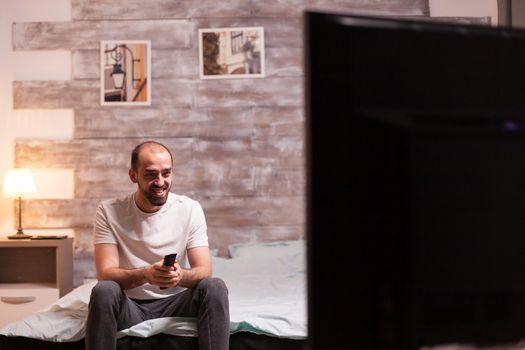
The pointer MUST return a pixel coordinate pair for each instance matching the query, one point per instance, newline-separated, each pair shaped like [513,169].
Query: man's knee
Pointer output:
[214,288]
[105,292]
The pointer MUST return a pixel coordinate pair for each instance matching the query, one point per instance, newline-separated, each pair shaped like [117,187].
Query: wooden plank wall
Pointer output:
[238,144]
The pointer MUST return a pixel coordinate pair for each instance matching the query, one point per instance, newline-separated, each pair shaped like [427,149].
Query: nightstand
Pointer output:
[33,274]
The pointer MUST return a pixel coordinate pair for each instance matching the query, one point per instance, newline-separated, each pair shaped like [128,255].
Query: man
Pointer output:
[131,236]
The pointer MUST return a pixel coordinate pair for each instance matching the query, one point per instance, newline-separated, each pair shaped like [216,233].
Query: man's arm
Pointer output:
[107,263]
[200,262]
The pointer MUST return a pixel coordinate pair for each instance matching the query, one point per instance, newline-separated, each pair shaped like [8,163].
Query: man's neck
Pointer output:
[144,204]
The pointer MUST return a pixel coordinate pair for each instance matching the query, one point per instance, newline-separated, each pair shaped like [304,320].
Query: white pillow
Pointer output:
[267,249]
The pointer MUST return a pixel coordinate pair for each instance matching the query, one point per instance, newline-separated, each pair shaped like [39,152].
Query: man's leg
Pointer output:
[208,301]
[109,310]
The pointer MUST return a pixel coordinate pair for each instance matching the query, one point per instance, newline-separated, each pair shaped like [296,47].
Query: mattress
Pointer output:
[267,292]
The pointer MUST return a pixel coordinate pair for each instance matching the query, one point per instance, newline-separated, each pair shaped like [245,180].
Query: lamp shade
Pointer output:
[118,76]
[18,182]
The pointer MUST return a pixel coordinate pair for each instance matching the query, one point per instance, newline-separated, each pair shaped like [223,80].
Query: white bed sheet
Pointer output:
[267,293]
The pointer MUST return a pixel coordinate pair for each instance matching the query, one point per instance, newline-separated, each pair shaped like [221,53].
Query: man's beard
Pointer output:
[152,198]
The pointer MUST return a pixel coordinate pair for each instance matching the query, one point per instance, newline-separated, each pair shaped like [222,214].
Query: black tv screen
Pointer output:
[415,183]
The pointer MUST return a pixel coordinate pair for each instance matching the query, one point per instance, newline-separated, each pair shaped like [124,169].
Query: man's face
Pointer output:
[153,178]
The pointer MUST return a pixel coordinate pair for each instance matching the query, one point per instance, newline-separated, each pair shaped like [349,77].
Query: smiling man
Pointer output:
[132,234]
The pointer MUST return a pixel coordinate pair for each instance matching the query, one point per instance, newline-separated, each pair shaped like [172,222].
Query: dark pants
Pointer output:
[111,310]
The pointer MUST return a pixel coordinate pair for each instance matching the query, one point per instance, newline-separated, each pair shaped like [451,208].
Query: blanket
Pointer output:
[267,291]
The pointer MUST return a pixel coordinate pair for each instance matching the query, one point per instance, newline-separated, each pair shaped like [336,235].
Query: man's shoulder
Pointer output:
[117,202]
[182,200]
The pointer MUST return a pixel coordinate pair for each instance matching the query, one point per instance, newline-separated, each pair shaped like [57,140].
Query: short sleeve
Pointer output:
[102,232]
[197,230]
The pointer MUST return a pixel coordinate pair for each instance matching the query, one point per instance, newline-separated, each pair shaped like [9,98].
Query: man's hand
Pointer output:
[164,276]
[107,260]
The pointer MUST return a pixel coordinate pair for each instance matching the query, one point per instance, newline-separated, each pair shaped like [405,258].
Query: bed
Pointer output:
[267,292]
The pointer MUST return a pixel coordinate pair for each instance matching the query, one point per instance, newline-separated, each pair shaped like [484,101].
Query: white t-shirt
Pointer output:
[144,238]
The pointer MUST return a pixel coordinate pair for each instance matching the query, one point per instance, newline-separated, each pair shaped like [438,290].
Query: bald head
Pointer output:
[151,146]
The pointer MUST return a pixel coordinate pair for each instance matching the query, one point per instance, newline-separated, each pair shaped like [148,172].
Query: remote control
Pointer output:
[169,260]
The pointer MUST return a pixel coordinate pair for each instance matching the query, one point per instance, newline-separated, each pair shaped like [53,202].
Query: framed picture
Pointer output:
[231,53]
[125,72]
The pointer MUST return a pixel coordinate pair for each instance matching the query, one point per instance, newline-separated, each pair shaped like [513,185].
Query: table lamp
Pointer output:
[18,182]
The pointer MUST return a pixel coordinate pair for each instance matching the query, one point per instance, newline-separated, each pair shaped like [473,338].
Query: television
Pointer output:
[415,182]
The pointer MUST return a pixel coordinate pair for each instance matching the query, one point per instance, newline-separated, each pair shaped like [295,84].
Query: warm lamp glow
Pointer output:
[18,182]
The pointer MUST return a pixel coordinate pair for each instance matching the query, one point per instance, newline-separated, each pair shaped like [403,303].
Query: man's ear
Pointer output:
[132,176]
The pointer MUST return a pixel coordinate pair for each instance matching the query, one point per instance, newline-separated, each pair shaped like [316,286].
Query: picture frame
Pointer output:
[125,72]
[226,53]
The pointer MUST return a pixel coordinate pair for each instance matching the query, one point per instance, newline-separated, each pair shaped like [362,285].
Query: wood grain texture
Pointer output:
[221,211]
[59,213]
[172,93]
[267,92]
[190,180]
[158,9]
[215,179]
[86,154]
[56,94]
[274,121]
[284,62]
[212,122]
[155,9]
[86,93]
[390,7]
[181,63]
[254,211]
[164,34]
[274,151]
[164,122]
[106,153]
[85,35]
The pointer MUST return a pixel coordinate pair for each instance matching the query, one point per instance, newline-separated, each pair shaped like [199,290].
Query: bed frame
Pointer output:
[238,341]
